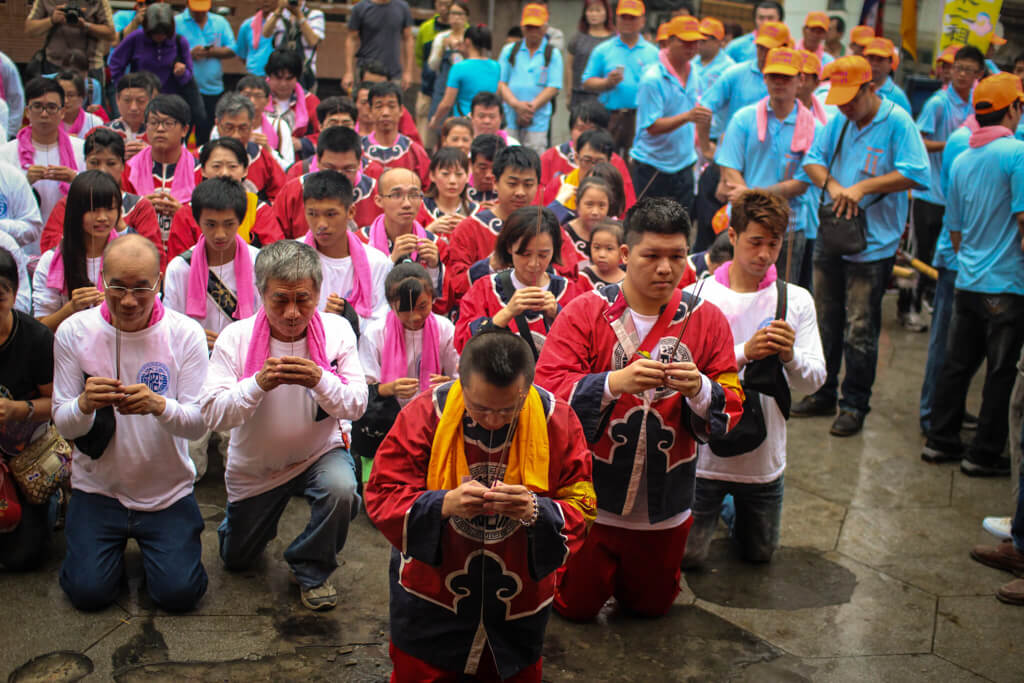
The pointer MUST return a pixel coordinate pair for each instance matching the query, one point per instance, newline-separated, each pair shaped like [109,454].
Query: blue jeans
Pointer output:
[756,527]
[98,527]
[942,313]
[24,549]
[329,485]
[848,296]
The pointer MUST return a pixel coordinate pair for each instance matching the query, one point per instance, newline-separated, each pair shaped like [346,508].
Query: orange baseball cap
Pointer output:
[783,60]
[816,20]
[712,28]
[534,15]
[685,28]
[199,5]
[663,33]
[997,92]
[772,34]
[949,54]
[861,35]
[847,74]
[811,65]
[632,7]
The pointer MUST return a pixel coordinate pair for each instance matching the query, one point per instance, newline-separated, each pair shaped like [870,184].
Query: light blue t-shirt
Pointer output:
[255,60]
[216,33]
[709,75]
[528,78]
[986,190]
[742,49]
[891,91]
[469,77]
[740,85]
[767,162]
[945,257]
[890,142]
[122,18]
[612,54]
[661,94]
[943,113]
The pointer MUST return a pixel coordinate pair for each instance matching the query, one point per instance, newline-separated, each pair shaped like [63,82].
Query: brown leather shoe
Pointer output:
[1003,556]
[1012,593]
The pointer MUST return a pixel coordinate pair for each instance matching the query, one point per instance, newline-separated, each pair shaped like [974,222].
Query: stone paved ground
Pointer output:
[872,583]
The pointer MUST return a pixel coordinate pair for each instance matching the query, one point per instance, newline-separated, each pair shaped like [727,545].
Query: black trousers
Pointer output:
[650,182]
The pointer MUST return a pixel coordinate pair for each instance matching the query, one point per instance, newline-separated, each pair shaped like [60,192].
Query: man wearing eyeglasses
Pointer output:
[49,156]
[127,379]
[235,118]
[396,232]
[483,487]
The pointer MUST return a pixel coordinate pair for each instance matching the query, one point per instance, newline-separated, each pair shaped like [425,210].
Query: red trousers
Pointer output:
[640,568]
[409,669]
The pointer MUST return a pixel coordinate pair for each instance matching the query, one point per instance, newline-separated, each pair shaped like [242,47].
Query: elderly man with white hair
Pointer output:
[126,382]
[281,382]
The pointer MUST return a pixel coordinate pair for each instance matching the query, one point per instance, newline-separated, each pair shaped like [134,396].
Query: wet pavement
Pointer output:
[872,583]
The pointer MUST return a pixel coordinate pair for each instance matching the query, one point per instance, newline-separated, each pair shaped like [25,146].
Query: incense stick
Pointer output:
[686,319]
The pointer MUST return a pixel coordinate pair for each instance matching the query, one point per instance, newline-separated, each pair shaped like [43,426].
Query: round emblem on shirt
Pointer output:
[3,206]
[156,376]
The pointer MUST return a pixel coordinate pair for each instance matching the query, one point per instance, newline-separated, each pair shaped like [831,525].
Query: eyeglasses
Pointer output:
[40,107]
[229,129]
[964,69]
[398,195]
[161,124]
[591,160]
[119,292]
[504,413]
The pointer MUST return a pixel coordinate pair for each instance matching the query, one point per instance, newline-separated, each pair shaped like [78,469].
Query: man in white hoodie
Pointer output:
[127,376]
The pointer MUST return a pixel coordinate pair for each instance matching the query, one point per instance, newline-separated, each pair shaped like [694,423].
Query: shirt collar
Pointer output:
[789,119]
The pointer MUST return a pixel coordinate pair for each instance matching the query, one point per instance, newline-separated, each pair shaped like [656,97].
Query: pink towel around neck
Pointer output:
[301,113]
[270,131]
[803,130]
[361,296]
[27,151]
[983,136]
[140,173]
[156,316]
[971,123]
[199,278]
[257,29]
[55,276]
[79,123]
[681,77]
[818,109]
[722,276]
[394,361]
[379,235]
[259,345]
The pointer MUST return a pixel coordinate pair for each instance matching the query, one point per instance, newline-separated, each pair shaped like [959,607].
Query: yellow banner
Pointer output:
[969,22]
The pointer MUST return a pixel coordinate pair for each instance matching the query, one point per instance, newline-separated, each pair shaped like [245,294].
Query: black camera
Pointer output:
[72,12]
[293,3]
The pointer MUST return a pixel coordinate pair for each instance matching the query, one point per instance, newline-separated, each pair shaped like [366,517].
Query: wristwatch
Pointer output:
[31,410]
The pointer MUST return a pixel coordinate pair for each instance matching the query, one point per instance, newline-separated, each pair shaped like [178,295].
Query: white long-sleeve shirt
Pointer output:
[146,464]
[371,345]
[23,301]
[176,290]
[339,276]
[19,211]
[274,434]
[748,312]
[48,300]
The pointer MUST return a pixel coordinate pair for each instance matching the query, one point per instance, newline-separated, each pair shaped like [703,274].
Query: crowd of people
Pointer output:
[546,365]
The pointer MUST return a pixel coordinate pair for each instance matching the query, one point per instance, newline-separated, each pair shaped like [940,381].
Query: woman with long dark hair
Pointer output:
[69,277]
[595,27]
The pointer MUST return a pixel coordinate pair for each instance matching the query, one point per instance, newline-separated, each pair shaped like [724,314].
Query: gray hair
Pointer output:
[289,261]
[233,104]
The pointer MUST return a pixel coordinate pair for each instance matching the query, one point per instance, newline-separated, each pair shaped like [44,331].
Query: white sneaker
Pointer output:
[997,526]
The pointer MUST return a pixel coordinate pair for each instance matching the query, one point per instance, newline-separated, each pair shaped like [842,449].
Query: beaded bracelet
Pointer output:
[535,515]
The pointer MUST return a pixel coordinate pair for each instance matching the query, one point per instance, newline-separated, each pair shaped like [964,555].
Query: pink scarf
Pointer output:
[503,134]
[79,123]
[722,276]
[271,132]
[27,152]
[379,235]
[301,113]
[803,130]
[361,296]
[55,277]
[394,362]
[199,278]
[156,316]
[818,109]
[140,173]
[257,29]
[972,123]
[681,77]
[983,136]
[259,345]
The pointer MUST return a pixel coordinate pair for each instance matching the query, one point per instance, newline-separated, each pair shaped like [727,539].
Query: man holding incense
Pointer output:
[483,488]
[650,371]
